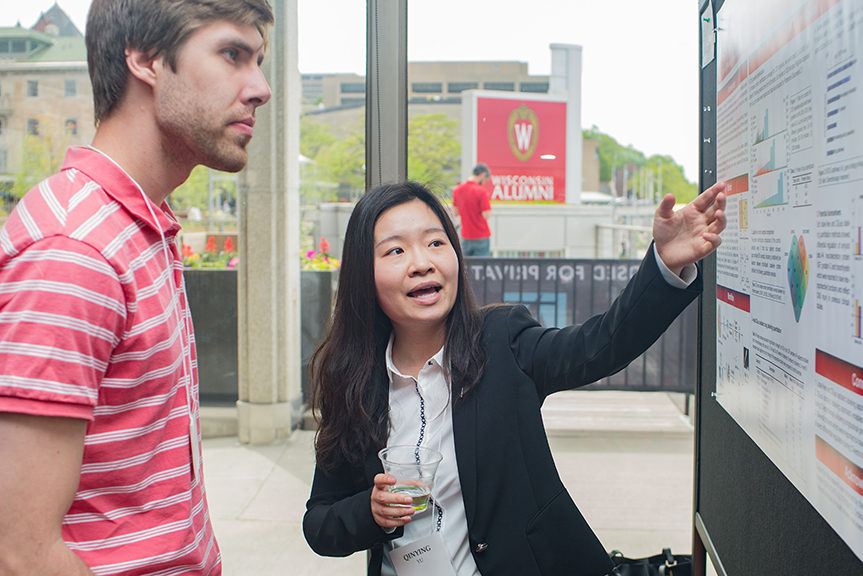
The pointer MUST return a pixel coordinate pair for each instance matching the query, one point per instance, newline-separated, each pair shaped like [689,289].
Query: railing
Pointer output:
[621,240]
[559,292]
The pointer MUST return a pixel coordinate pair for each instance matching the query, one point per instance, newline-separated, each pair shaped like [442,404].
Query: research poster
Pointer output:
[789,142]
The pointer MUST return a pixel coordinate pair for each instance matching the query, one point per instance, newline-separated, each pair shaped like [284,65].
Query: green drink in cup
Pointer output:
[414,468]
[419,494]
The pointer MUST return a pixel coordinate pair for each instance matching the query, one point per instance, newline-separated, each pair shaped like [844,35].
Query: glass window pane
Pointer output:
[455,87]
[332,122]
[353,87]
[427,87]
[505,86]
[506,53]
[541,87]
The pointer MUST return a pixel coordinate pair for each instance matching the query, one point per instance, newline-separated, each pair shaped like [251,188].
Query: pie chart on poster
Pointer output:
[798,274]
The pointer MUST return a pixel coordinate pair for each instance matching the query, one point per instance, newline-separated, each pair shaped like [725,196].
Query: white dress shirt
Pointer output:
[687,275]
[421,415]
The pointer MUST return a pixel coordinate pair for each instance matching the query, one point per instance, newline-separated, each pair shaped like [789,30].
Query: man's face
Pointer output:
[206,108]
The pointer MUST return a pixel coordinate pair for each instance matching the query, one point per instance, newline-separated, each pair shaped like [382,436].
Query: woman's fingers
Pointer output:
[390,510]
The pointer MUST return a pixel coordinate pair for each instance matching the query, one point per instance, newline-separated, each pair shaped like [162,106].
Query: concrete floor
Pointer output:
[625,457]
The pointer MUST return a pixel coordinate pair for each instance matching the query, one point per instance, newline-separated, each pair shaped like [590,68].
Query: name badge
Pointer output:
[422,557]
[196,446]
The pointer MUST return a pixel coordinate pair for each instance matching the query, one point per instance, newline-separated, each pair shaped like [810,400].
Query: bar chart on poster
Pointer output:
[789,274]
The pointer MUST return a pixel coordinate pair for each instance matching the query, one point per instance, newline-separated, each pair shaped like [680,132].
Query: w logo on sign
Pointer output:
[523,131]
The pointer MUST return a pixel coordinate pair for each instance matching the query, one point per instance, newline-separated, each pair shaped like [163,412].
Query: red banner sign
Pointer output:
[523,142]
[737,299]
[839,371]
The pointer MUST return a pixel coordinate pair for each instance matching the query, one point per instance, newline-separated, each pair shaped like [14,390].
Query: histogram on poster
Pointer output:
[770,155]
[769,123]
[769,190]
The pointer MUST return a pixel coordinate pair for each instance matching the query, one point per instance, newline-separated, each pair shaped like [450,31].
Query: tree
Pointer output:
[434,152]
[344,162]
[42,155]
[612,155]
[339,159]
[670,174]
[666,175]
[336,163]
[193,192]
[315,186]
[314,136]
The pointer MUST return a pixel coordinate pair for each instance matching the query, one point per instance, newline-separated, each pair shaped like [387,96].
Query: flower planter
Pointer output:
[316,304]
[212,294]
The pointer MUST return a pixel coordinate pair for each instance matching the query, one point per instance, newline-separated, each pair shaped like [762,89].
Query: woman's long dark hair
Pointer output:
[349,384]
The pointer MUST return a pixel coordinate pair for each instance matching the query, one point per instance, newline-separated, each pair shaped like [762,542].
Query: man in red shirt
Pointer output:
[472,203]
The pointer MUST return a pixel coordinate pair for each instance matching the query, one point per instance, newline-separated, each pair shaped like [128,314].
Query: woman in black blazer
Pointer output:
[410,358]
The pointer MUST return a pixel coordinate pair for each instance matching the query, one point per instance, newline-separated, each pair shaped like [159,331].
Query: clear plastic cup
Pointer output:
[414,469]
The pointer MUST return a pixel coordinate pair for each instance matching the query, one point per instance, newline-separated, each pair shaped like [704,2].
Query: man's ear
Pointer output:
[143,66]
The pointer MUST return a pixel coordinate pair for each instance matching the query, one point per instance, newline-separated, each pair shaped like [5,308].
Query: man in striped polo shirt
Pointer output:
[100,467]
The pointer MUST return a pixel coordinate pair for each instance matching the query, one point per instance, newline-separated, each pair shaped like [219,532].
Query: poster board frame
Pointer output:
[747,516]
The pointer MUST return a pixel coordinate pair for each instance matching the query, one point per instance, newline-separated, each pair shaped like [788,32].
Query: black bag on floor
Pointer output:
[664,564]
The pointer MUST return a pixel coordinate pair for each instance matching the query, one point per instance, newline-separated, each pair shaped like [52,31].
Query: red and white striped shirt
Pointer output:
[94,325]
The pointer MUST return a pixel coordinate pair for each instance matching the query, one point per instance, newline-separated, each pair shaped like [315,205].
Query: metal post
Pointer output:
[386,92]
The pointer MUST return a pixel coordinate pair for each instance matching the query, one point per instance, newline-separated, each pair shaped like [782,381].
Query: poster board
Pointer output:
[779,416]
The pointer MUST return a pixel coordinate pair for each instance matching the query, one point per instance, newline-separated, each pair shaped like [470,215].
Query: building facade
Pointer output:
[337,100]
[46,101]
[428,82]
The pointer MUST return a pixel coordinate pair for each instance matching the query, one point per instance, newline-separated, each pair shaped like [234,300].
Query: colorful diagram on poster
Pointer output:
[798,274]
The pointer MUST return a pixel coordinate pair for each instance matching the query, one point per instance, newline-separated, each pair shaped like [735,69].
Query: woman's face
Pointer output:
[416,267]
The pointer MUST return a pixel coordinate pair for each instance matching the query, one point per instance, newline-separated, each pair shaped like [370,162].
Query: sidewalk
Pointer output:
[625,457]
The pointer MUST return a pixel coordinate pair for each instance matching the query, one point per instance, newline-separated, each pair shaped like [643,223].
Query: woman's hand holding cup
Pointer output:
[390,509]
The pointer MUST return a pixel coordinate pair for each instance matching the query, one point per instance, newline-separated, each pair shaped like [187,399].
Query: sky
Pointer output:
[640,58]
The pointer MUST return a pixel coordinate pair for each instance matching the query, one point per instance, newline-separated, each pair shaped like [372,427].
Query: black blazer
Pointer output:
[521,520]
